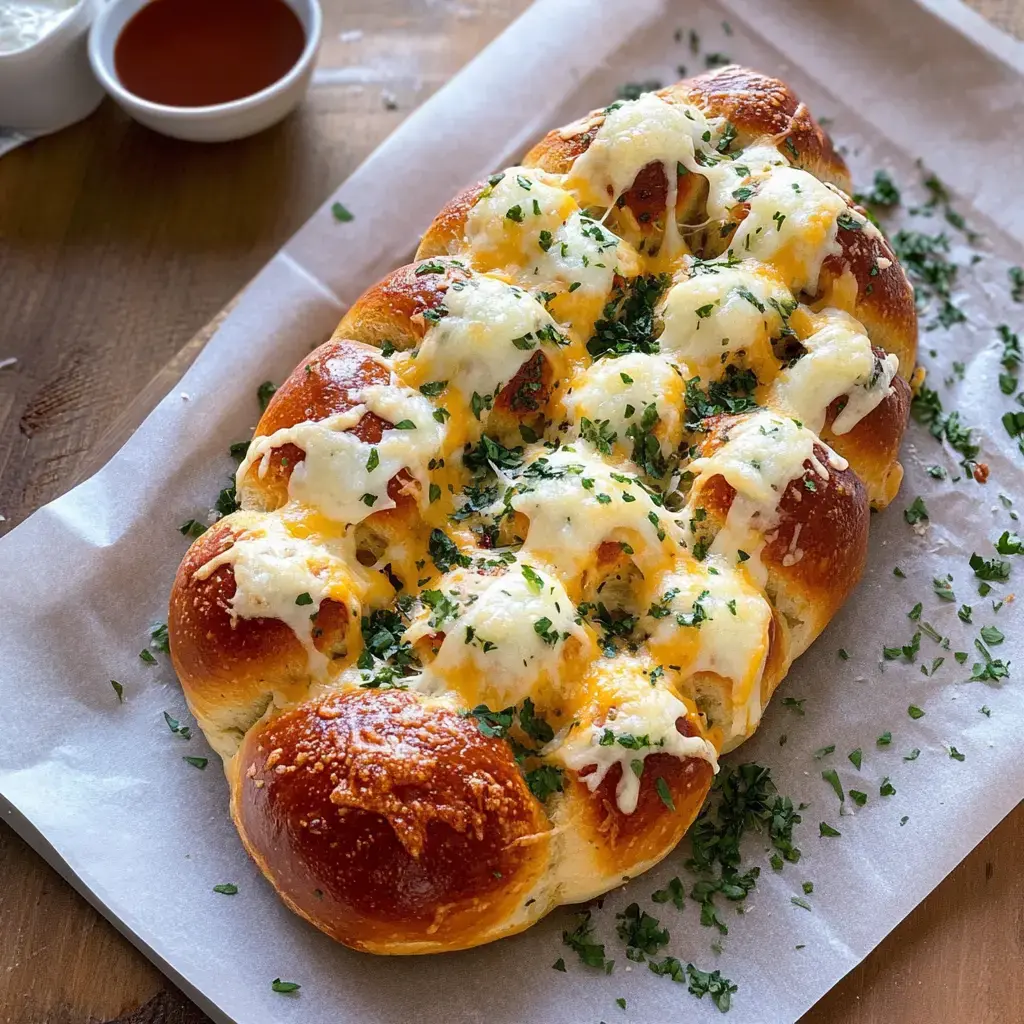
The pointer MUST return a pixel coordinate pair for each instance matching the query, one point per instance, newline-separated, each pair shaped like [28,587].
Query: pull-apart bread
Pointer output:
[531,541]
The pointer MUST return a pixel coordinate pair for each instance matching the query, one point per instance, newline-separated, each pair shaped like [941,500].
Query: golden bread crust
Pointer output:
[390,823]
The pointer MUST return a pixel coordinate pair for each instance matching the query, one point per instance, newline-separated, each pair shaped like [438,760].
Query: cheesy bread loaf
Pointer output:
[531,541]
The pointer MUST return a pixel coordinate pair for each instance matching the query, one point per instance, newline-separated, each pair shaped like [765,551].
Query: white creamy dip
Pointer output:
[24,22]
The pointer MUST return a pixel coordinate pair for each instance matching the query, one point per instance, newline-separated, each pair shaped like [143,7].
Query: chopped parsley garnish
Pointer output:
[627,321]
[159,639]
[647,452]
[430,267]
[1010,544]
[924,257]
[1011,359]
[746,799]
[990,568]
[641,933]
[673,892]
[544,780]
[1016,275]
[490,452]
[533,725]
[992,635]
[444,553]
[917,512]
[264,393]
[192,528]
[227,501]
[926,408]
[599,434]
[633,90]
[884,192]
[534,581]
[733,393]
[581,941]
[831,776]
[661,787]
[492,724]
[382,633]
[699,983]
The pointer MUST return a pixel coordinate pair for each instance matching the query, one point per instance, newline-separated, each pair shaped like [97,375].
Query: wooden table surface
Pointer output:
[116,247]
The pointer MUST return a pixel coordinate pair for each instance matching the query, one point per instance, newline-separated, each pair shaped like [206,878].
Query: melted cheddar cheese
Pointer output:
[575,501]
[618,393]
[493,651]
[839,362]
[641,720]
[487,331]
[279,575]
[547,568]
[713,317]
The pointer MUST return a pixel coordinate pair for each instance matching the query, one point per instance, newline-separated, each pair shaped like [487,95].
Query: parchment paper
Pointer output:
[102,790]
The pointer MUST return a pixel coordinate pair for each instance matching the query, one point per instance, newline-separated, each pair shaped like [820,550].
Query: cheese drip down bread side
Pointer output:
[531,541]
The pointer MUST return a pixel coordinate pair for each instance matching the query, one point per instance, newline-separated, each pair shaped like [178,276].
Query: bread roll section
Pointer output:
[531,541]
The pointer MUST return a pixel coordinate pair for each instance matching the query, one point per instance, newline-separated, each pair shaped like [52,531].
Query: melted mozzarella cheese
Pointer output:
[344,477]
[792,223]
[274,571]
[508,640]
[839,361]
[582,255]
[527,228]
[634,134]
[489,332]
[640,721]
[618,391]
[763,454]
[711,316]
[705,617]
[547,242]
[510,214]
[575,501]
[726,176]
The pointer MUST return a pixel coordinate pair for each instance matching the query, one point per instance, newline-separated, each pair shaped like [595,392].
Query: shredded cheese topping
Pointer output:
[548,572]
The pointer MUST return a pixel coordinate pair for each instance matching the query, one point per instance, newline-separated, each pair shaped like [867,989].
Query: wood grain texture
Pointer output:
[116,247]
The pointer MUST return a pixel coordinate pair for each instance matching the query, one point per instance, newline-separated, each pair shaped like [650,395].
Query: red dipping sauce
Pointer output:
[196,53]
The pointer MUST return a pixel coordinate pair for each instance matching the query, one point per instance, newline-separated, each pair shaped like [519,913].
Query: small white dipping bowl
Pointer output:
[48,85]
[222,121]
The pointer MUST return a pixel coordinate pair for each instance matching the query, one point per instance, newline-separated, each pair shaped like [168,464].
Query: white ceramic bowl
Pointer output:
[49,84]
[222,121]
